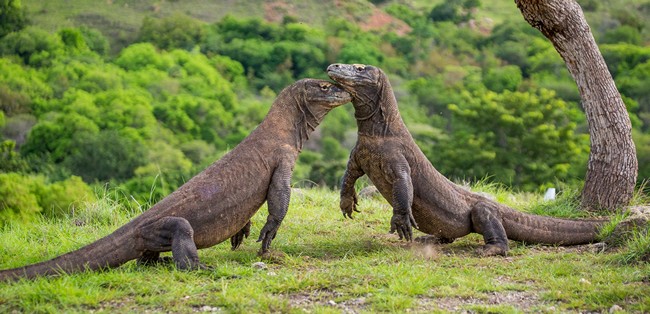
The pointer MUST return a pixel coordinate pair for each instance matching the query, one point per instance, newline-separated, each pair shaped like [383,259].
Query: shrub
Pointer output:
[64,197]
[24,197]
[17,202]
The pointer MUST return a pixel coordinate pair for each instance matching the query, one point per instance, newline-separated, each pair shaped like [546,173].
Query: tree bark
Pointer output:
[612,169]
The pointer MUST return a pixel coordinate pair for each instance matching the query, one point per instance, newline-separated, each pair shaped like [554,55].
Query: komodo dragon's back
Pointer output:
[217,203]
[421,197]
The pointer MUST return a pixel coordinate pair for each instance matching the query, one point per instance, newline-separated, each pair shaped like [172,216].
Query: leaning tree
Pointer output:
[612,168]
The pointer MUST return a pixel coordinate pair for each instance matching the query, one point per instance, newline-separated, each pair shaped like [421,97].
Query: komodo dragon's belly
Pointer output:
[220,201]
[374,166]
[227,215]
[438,208]
[435,221]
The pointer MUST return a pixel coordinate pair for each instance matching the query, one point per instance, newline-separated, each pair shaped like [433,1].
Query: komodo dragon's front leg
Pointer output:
[399,174]
[277,200]
[349,197]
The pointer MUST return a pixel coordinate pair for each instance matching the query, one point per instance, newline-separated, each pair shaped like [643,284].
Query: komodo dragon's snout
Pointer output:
[353,74]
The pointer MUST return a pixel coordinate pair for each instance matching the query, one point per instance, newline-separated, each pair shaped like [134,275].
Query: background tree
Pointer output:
[612,169]
[105,156]
[175,31]
[526,139]
[12,16]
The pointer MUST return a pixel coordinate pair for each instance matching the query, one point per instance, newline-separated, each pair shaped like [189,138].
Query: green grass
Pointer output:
[325,264]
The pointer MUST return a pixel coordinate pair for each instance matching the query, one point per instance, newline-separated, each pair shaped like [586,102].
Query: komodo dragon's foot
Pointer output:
[492,250]
[237,239]
[403,224]
[349,205]
[187,265]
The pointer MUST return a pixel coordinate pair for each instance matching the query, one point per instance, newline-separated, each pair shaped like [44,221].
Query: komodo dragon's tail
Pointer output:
[548,230]
[110,251]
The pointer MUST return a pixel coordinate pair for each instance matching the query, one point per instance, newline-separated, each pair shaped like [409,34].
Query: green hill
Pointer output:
[120,20]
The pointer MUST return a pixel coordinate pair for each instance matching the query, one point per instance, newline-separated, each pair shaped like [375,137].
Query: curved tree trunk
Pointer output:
[612,169]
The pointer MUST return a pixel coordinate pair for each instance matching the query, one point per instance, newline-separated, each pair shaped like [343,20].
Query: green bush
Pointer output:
[73,39]
[503,78]
[64,197]
[95,40]
[10,160]
[528,140]
[54,136]
[622,34]
[34,46]
[17,201]
[175,31]
[24,197]
[12,17]
[105,156]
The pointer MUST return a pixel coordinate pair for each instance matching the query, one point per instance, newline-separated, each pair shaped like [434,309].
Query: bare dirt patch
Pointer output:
[275,11]
[520,300]
[306,301]
[380,20]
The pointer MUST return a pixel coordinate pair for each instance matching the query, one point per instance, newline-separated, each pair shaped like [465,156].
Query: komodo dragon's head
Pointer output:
[320,94]
[313,98]
[370,89]
[354,76]
[305,103]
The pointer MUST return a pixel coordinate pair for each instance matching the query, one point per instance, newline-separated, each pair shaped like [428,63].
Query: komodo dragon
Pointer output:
[219,202]
[422,197]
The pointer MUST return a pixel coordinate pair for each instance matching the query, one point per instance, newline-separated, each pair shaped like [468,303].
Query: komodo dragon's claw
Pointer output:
[403,224]
[237,239]
[267,234]
[348,206]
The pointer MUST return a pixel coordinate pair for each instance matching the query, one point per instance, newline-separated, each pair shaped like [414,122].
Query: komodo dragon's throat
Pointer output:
[421,197]
[218,203]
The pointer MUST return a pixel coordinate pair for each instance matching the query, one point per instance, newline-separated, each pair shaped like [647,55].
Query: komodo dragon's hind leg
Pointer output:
[487,221]
[175,233]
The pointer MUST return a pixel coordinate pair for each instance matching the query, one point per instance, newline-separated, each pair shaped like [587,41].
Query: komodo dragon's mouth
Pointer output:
[340,95]
[350,75]
[339,71]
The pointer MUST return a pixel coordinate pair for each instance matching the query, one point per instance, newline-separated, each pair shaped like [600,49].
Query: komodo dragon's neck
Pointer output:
[376,111]
[291,120]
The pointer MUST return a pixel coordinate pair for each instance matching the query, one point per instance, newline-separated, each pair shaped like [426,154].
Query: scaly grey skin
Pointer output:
[219,202]
[421,197]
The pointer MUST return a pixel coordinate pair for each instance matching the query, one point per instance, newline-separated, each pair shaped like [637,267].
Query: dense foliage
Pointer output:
[498,104]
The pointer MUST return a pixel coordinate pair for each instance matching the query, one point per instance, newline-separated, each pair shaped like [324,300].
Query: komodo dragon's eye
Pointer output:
[324,87]
[360,68]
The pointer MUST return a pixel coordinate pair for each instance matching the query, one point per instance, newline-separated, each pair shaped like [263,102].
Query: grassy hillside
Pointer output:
[326,264]
[121,18]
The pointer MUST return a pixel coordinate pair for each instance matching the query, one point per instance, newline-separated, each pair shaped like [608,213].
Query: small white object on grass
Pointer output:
[550,194]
